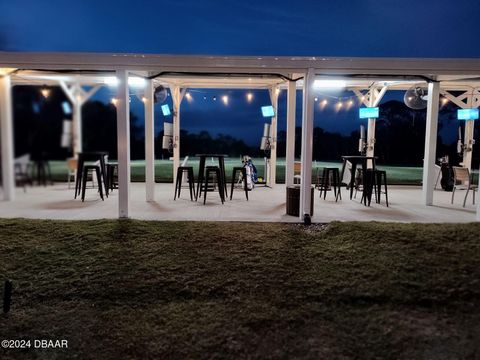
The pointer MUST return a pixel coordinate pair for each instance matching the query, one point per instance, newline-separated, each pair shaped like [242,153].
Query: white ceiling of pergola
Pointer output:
[239,72]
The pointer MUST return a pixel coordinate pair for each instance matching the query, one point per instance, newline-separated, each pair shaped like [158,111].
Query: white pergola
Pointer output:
[369,78]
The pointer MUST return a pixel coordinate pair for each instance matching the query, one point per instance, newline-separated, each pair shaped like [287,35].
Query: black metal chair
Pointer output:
[242,171]
[191,181]
[218,182]
[97,170]
[381,178]
[330,178]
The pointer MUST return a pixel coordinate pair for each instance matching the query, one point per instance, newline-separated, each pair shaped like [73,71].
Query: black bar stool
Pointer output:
[381,177]
[86,169]
[112,176]
[213,170]
[191,181]
[242,171]
[331,178]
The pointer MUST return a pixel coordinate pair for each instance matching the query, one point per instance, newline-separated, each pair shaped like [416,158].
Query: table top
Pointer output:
[211,155]
[359,157]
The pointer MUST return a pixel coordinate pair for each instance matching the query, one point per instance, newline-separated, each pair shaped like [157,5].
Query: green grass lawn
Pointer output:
[163,170]
[194,290]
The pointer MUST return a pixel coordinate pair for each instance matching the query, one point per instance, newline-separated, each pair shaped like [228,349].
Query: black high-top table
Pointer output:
[91,156]
[367,178]
[201,170]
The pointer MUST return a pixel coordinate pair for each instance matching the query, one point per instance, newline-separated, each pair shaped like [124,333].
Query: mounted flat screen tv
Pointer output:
[467,114]
[267,111]
[368,113]
[166,110]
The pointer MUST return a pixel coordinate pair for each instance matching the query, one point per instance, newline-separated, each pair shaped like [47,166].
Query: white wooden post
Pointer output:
[290,151]
[430,143]
[6,130]
[149,143]
[478,199]
[177,97]
[375,96]
[123,139]
[468,137]
[273,133]
[77,125]
[307,143]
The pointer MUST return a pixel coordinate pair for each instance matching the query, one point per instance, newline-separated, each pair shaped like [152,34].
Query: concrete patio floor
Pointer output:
[265,204]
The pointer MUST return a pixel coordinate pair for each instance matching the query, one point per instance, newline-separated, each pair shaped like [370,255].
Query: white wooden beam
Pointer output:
[430,143]
[177,96]
[274,90]
[290,151]
[6,130]
[123,140]
[307,144]
[361,96]
[149,143]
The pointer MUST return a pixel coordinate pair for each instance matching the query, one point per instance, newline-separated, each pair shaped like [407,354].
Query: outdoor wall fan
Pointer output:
[416,97]
[160,94]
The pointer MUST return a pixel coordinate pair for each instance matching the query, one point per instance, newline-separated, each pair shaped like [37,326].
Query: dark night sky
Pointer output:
[407,28]
[391,28]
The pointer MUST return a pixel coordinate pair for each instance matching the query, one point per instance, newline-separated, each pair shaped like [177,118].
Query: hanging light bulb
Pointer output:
[188,96]
[114,101]
[277,91]
[444,101]
[316,99]
[225,99]
[45,92]
[144,99]
[350,102]
[339,104]
[249,97]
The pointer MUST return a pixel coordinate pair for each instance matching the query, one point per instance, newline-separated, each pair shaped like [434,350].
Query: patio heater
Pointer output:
[366,113]
[66,138]
[167,140]
[460,145]
[467,115]
[362,144]
[265,144]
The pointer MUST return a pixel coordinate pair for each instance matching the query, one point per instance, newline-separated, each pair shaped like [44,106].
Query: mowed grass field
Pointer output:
[164,172]
[193,290]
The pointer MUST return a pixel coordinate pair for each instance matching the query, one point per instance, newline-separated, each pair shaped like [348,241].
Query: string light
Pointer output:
[316,99]
[249,97]
[188,96]
[225,99]
[144,99]
[114,101]
[444,101]
[45,92]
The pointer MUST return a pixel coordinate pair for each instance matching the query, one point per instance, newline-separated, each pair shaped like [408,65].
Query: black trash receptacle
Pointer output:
[293,200]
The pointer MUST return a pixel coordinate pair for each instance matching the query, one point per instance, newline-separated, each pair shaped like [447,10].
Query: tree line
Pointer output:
[400,133]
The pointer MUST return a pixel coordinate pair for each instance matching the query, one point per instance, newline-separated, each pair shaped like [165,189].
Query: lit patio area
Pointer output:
[264,205]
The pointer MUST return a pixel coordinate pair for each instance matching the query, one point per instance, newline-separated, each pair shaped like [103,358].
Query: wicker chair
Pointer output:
[463,181]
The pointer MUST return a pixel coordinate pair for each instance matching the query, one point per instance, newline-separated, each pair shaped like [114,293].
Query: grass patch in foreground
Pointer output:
[136,289]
